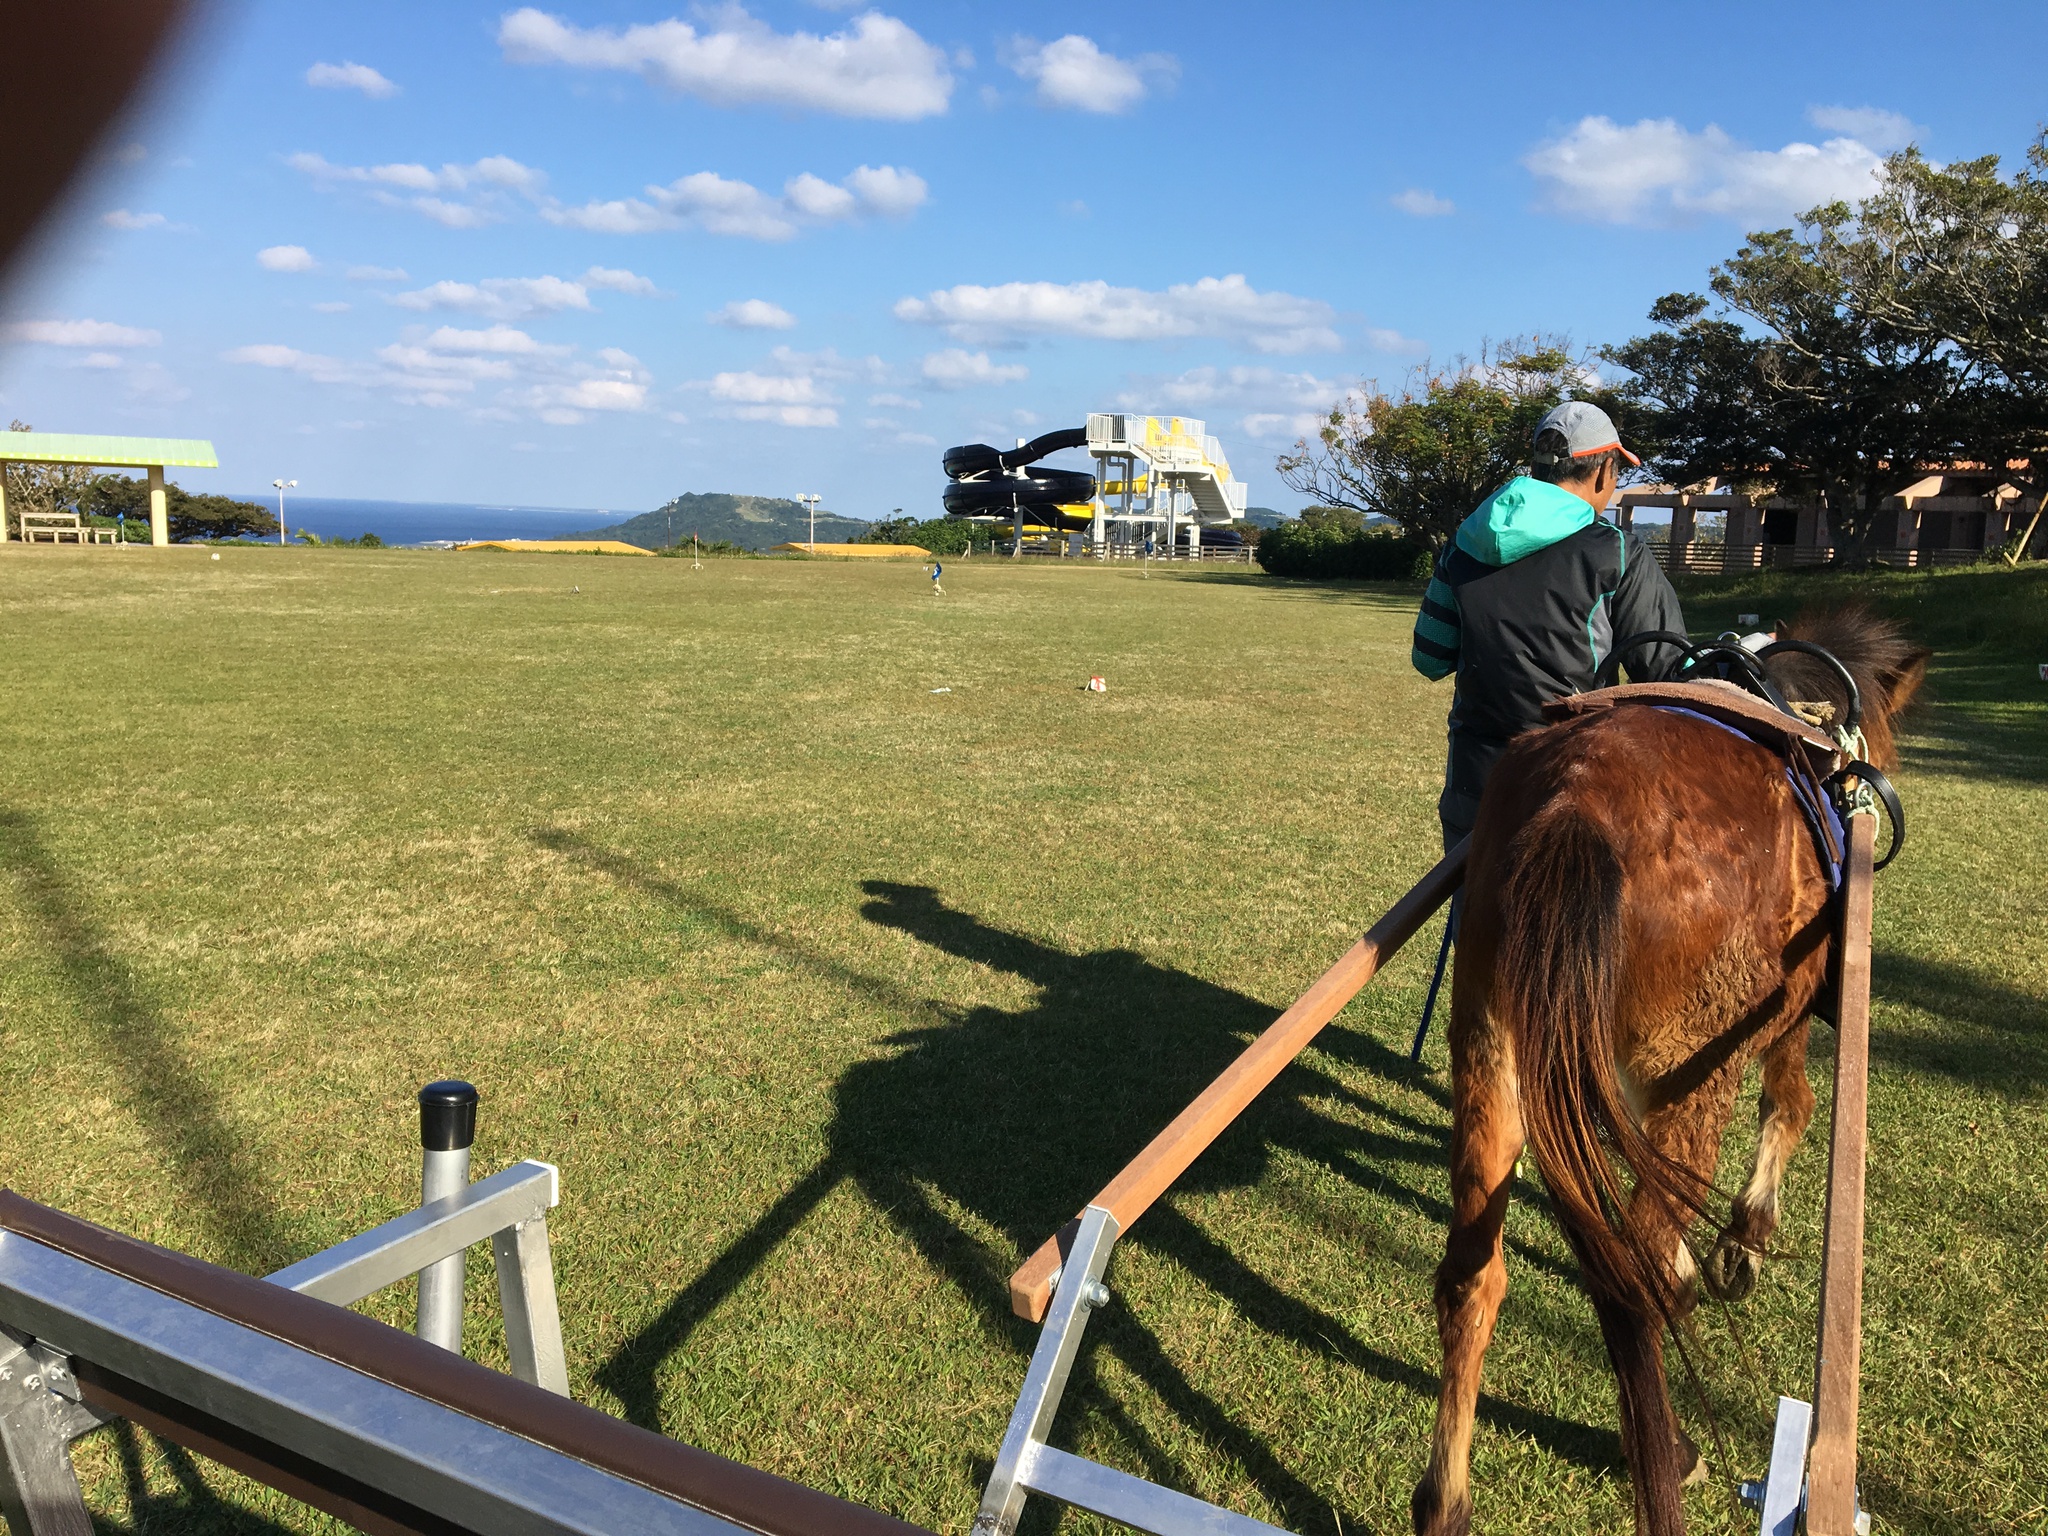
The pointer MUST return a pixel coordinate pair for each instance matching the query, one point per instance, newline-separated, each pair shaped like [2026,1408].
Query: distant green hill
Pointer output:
[752,522]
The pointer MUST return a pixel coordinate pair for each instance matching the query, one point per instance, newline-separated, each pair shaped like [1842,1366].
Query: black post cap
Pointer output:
[447,1115]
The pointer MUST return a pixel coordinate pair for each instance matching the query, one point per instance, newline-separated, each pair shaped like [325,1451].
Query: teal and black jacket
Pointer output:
[1523,606]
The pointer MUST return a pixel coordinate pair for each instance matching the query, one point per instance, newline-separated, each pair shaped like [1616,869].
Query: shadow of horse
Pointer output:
[1020,1116]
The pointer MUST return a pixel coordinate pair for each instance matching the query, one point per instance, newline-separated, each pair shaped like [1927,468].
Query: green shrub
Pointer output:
[940,535]
[1334,544]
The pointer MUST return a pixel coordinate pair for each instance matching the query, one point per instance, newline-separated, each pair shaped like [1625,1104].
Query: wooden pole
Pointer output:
[1831,1467]
[1152,1172]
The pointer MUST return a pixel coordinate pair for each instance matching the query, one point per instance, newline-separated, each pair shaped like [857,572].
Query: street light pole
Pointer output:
[282,485]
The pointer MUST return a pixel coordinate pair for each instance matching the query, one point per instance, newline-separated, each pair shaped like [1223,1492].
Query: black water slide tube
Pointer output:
[993,482]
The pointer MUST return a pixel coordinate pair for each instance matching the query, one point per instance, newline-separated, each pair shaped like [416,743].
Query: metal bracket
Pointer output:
[1026,1464]
[39,1493]
[1780,1499]
[510,1209]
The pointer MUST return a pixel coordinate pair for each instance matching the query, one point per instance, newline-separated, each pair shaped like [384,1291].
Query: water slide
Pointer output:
[1150,470]
[994,482]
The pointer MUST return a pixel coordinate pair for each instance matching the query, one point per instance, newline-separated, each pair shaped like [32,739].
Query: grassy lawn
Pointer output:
[833,994]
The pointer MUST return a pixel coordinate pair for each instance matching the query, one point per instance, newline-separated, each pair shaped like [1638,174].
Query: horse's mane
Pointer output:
[1887,667]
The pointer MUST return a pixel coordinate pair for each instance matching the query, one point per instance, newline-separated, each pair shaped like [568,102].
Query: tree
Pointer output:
[190,517]
[1425,457]
[1957,256]
[41,487]
[1853,409]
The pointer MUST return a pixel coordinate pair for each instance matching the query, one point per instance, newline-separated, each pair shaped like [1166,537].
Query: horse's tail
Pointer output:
[1555,990]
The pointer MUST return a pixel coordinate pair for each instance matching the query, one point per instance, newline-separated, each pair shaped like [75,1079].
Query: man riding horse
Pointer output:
[1530,597]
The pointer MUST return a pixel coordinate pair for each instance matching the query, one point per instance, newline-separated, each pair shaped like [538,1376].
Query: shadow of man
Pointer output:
[1020,1116]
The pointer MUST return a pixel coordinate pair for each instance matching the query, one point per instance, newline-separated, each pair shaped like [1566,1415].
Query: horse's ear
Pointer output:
[1902,683]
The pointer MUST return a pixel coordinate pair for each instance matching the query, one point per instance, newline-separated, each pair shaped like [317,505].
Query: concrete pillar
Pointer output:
[1682,524]
[159,508]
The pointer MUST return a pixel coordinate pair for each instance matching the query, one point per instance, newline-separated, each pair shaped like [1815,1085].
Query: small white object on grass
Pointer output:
[216,557]
[942,690]
[1097,685]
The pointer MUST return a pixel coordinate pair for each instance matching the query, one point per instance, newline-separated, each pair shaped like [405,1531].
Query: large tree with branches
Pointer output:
[1424,457]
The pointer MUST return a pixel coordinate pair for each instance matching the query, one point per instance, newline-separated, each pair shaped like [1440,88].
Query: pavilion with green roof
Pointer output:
[150,453]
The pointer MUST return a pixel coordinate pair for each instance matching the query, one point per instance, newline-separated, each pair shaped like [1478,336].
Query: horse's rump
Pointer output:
[1649,869]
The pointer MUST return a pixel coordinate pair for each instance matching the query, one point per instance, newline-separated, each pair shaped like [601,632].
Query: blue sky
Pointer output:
[602,253]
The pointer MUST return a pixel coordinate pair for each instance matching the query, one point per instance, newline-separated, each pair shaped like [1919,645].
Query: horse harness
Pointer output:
[1724,683]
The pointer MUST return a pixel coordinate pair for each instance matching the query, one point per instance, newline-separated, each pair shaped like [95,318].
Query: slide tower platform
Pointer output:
[1158,480]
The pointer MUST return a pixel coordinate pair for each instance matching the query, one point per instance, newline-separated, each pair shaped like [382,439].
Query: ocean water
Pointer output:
[425,522]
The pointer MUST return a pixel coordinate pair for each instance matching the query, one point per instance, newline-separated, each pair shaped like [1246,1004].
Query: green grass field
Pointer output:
[833,995]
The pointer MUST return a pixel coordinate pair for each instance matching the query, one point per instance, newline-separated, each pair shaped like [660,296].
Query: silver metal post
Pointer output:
[1077,1290]
[447,1128]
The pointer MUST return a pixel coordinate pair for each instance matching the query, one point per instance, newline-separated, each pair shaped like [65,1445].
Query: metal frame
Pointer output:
[419,1455]
[510,1209]
[1027,1464]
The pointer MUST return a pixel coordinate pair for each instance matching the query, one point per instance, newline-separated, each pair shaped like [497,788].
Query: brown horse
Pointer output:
[1645,914]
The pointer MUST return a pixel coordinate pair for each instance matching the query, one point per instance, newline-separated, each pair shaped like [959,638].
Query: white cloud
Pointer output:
[618,216]
[722,205]
[1881,130]
[285,258]
[351,77]
[82,333]
[1422,204]
[449,367]
[957,368]
[1227,307]
[752,315]
[794,389]
[878,67]
[1396,343]
[1072,72]
[102,360]
[619,280]
[498,298]
[121,218]
[328,370]
[485,186]
[1659,172]
[496,338]
[900,402]
[332,307]
[888,190]
[764,389]
[817,197]
[377,274]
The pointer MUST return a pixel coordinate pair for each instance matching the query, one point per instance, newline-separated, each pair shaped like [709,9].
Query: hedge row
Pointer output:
[1320,550]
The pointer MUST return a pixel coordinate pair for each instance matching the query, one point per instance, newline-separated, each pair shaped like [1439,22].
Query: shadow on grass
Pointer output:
[175,1105]
[1019,1117]
[193,1507]
[1990,1036]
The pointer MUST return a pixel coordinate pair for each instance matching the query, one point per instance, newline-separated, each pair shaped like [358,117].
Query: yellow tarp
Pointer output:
[559,546]
[858,551]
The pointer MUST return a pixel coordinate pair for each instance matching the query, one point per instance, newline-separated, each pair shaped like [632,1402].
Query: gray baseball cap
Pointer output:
[1587,430]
